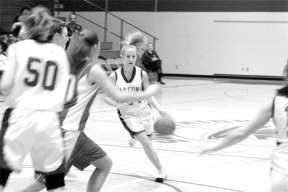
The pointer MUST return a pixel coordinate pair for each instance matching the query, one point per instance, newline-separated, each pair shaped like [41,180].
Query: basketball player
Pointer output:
[275,109]
[81,150]
[136,116]
[35,83]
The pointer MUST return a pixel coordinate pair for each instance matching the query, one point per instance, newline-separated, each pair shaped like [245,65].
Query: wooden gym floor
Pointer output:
[205,110]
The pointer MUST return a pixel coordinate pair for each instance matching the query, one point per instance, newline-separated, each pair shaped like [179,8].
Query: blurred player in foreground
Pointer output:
[275,109]
[36,82]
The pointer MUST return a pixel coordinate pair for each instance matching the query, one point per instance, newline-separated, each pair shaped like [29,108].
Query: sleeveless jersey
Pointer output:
[42,76]
[280,119]
[134,85]
[78,114]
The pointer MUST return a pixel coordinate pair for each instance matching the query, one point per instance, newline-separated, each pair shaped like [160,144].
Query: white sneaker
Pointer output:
[132,142]
[161,177]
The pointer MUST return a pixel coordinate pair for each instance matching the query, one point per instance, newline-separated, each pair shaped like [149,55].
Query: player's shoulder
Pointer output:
[94,69]
[31,43]
[26,42]
[24,45]
[140,70]
[119,69]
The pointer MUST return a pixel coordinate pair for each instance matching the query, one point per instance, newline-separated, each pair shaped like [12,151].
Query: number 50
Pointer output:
[50,66]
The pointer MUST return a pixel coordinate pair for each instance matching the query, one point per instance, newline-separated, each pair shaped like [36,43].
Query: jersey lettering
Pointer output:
[51,69]
[32,82]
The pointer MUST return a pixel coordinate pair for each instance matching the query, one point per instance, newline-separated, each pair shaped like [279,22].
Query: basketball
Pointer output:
[164,125]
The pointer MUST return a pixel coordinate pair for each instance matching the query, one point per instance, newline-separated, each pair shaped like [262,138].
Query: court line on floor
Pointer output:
[226,93]
[188,138]
[167,184]
[188,152]
[177,181]
[191,85]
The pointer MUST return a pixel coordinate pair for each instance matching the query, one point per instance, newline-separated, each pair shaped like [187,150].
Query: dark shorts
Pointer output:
[84,153]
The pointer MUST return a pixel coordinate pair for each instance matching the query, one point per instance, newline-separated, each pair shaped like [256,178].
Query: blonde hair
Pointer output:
[40,25]
[133,40]
[125,47]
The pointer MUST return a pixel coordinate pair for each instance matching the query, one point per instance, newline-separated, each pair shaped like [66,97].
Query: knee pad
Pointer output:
[4,175]
[54,181]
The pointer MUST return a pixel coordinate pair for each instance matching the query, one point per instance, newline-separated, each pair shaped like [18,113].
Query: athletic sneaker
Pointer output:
[161,177]
[132,142]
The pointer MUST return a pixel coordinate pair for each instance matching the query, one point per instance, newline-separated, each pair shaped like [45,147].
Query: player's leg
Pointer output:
[99,175]
[36,185]
[146,119]
[14,143]
[151,154]
[4,175]
[87,152]
[48,152]
[135,127]
[132,142]
[4,170]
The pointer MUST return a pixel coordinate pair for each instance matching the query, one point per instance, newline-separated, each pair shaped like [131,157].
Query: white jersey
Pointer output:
[78,114]
[280,155]
[42,76]
[134,85]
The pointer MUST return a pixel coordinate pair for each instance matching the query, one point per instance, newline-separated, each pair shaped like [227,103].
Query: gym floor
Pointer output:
[205,110]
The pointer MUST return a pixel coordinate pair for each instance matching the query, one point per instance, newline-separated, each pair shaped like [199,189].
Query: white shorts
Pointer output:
[34,132]
[136,122]
[279,181]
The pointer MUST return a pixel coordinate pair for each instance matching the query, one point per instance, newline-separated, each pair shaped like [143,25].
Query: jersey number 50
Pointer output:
[50,67]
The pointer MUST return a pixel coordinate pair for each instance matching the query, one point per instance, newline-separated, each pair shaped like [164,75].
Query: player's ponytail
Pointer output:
[135,39]
[80,49]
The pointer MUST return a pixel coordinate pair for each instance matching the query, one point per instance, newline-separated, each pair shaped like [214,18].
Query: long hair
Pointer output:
[40,25]
[80,49]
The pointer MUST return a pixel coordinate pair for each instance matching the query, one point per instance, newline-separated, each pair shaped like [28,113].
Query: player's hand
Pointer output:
[153,89]
[160,113]
[163,113]
[204,150]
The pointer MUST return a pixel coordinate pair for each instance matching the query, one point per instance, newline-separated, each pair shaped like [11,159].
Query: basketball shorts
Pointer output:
[138,121]
[84,150]
[35,132]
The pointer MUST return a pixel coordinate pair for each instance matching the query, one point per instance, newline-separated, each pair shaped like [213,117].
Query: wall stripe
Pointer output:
[179,5]
[243,21]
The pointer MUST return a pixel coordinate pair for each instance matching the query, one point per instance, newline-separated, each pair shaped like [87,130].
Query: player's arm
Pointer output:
[108,99]
[97,74]
[152,101]
[8,75]
[240,134]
